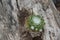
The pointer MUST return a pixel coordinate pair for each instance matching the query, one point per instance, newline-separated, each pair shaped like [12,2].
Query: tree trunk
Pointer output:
[12,20]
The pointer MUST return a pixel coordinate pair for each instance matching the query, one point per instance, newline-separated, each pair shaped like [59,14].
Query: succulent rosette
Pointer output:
[35,23]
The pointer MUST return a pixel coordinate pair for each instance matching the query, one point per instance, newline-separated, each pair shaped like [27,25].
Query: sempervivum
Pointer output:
[35,23]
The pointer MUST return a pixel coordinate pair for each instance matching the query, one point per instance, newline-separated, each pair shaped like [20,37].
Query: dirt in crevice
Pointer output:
[37,38]
[22,15]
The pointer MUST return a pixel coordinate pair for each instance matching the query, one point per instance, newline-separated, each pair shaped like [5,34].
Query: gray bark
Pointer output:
[12,19]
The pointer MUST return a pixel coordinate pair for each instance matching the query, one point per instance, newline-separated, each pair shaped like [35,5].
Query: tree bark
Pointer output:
[12,19]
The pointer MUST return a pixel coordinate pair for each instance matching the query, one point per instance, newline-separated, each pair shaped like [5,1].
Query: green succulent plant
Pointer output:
[35,23]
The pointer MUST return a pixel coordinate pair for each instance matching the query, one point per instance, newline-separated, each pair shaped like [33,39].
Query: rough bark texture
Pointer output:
[12,18]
